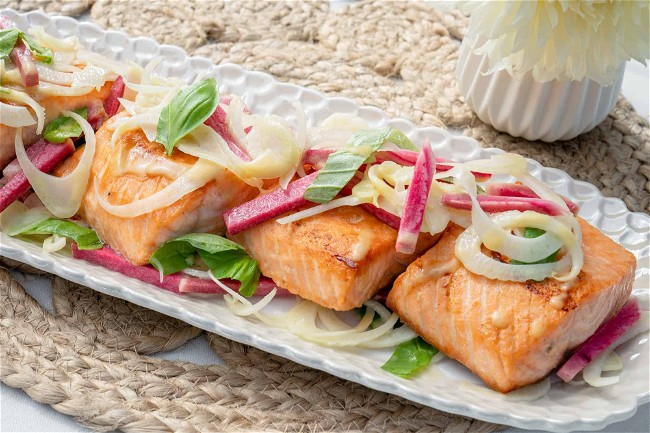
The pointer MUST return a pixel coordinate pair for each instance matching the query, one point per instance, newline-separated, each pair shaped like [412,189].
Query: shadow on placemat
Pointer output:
[90,360]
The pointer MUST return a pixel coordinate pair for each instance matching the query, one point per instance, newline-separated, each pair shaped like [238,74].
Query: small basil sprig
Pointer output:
[187,110]
[410,358]
[9,38]
[85,238]
[61,128]
[225,258]
[532,232]
[342,164]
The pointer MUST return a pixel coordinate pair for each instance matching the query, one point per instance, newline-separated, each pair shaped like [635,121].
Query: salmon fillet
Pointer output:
[136,238]
[338,259]
[511,334]
[53,106]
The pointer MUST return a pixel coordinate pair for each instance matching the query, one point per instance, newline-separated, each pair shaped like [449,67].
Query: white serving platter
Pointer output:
[447,386]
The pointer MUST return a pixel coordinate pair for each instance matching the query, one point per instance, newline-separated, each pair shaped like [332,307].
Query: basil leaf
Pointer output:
[85,237]
[39,52]
[187,110]
[410,357]
[8,39]
[61,128]
[532,232]
[225,258]
[342,164]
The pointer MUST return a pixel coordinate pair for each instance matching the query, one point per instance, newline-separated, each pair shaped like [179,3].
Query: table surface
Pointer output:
[19,413]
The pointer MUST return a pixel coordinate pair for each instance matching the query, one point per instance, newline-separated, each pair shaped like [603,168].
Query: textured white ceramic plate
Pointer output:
[448,386]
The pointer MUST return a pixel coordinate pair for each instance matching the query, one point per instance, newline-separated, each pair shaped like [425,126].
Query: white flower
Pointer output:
[560,39]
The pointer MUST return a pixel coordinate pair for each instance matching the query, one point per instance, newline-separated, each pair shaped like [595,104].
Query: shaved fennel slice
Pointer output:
[18,218]
[613,363]
[15,116]
[50,89]
[592,373]
[54,243]
[60,195]
[200,174]
[301,139]
[339,202]
[23,98]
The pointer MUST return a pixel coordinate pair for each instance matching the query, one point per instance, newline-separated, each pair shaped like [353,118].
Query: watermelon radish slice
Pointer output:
[518,190]
[493,204]
[604,337]
[112,103]
[268,206]
[177,283]
[13,168]
[416,201]
[21,57]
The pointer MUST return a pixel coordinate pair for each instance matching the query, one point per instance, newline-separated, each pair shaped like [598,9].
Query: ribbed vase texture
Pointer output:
[550,111]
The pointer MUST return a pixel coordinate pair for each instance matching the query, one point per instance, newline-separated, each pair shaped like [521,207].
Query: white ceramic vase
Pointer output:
[550,111]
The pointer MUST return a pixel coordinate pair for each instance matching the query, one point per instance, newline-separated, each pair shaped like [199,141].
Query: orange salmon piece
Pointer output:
[511,334]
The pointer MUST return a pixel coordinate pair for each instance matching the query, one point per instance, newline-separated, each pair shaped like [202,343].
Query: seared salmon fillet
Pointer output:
[137,238]
[53,106]
[338,259]
[511,334]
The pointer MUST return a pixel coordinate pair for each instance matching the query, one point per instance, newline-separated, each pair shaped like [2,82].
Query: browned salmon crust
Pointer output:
[338,259]
[138,237]
[511,334]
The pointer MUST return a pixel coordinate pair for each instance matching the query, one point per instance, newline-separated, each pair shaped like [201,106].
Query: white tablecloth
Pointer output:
[19,413]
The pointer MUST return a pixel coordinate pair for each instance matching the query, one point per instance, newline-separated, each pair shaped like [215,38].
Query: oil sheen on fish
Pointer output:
[338,259]
[511,334]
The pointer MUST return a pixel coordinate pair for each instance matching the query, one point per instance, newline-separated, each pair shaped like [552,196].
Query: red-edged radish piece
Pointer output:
[13,168]
[518,190]
[400,156]
[391,220]
[202,285]
[316,157]
[217,121]
[493,204]
[177,283]
[112,103]
[268,206]
[416,201]
[45,161]
[96,115]
[21,57]
[604,337]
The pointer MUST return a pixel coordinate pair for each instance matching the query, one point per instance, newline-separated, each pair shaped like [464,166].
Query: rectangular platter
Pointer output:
[446,386]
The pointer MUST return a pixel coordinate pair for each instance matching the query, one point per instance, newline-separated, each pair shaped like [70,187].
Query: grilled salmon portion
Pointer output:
[145,170]
[53,106]
[511,334]
[338,259]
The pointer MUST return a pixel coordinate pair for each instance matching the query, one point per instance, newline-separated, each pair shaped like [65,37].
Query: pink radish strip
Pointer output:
[217,121]
[112,103]
[401,157]
[177,283]
[13,168]
[391,220]
[416,201]
[316,157]
[517,190]
[267,206]
[492,204]
[45,161]
[96,115]
[21,57]
[604,337]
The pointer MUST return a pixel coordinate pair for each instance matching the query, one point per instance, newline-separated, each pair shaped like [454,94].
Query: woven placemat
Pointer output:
[90,359]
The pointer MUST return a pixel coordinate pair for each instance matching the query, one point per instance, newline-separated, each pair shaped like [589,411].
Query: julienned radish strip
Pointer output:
[391,220]
[45,161]
[493,204]
[177,283]
[601,340]
[268,206]
[517,190]
[416,201]
[112,103]
[218,122]
[21,57]
[13,168]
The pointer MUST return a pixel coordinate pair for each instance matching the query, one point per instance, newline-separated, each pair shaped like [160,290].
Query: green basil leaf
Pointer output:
[410,358]
[187,110]
[342,164]
[85,237]
[39,52]
[532,232]
[8,39]
[225,258]
[62,128]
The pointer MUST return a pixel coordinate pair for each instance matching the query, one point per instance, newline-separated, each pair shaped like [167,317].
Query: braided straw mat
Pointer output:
[89,359]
